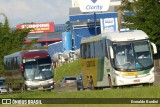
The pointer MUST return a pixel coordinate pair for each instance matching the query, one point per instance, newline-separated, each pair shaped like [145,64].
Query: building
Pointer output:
[46,32]
[87,24]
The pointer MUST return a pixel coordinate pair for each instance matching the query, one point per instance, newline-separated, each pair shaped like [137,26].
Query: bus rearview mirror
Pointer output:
[111,52]
[154,48]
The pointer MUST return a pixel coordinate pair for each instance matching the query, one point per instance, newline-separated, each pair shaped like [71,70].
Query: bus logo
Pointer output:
[91,63]
[94,1]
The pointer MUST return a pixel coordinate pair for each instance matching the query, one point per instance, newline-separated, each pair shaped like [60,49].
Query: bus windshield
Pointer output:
[38,69]
[132,55]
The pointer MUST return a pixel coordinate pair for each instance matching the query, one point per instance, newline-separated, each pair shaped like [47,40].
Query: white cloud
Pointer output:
[22,11]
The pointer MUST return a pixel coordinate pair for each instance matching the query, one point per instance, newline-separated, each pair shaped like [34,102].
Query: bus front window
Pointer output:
[38,69]
[132,55]
[142,54]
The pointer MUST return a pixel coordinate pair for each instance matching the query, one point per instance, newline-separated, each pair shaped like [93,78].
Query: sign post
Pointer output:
[95,23]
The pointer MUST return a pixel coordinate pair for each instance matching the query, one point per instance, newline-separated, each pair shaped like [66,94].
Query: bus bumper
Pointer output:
[40,85]
[120,81]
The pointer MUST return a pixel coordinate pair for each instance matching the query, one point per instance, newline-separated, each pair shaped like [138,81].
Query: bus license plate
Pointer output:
[138,80]
[40,88]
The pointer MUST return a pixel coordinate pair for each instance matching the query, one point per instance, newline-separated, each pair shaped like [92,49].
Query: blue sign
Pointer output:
[109,25]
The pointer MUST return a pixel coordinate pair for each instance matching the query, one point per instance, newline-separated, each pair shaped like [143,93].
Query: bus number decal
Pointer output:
[91,63]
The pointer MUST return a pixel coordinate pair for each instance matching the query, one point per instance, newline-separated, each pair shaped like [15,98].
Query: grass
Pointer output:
[70,69]
[136,92]
[74,69]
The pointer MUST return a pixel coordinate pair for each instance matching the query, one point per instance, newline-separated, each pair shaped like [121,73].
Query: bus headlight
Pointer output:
[50,82]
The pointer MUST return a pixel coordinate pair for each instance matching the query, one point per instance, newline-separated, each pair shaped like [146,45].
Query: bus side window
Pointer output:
[85,51]
[82,50]
[97,49]
[88,51]
[104,48]
[92,49]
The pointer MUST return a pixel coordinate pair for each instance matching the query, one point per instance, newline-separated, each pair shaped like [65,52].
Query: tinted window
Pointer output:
[71,78]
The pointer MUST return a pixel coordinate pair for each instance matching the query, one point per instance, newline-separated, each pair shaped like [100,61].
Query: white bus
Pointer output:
[117,59]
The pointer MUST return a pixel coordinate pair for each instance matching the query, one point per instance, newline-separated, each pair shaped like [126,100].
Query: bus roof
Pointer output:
[30,54]
[119,36]
[35,53]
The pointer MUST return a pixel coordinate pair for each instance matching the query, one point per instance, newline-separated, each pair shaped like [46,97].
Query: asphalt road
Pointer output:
[65,87]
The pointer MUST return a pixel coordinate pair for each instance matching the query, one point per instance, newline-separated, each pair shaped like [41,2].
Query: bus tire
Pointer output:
[10,90]
[25,87]
[78,89]
[21,88]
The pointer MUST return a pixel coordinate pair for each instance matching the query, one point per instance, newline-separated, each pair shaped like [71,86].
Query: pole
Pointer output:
[95,23]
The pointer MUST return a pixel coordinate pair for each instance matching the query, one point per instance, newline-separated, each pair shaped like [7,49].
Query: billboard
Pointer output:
[109,25]
[38,27]
[93,5]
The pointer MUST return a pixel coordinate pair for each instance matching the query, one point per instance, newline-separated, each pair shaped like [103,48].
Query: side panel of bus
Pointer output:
[12,73]
[96,69]
[105,69]
[89,71]
[95,63]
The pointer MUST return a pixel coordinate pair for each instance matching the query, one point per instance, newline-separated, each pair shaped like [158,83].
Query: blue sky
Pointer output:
[26,11]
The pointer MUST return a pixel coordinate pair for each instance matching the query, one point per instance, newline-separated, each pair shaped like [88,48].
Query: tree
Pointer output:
[125,5]
[146,17]
[10,40]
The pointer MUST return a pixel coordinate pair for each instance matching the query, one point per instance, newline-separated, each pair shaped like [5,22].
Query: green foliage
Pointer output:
[10,40]
[146,17]
[30,45]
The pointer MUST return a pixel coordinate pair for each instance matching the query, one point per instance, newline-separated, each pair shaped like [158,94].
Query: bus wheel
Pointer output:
[110,82]
[25,87]
[21,87]
[10,90]
[78,89]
